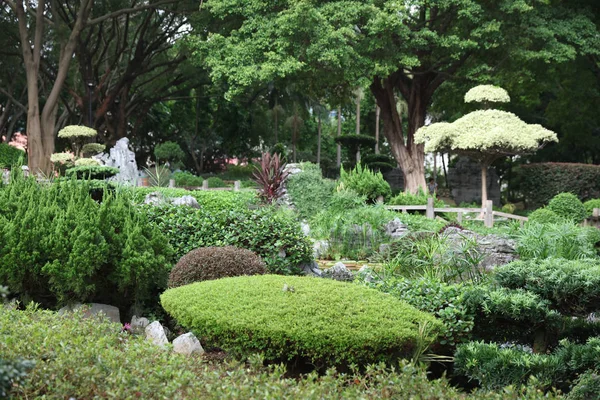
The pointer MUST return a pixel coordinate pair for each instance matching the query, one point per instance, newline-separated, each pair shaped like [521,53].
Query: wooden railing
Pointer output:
[487,213]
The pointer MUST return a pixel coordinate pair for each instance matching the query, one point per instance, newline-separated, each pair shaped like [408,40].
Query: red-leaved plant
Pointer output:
[270,177]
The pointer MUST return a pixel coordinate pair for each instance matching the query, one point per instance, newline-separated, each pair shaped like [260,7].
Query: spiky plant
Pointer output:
[270,177]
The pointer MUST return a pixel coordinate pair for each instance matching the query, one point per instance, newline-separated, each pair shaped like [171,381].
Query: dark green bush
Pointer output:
[309,192]
[321,321]
[13,373]
[59,245]
[271,233]
[11,156]
[365,182]
[184,178]
[590,205]
[587,387]
[100,361]
[92,172]
[409,199]
[169,151]
[543,181]
[216,182]
[210,201]
[567,206]
[238,172]
[345,199]
[208,263]
[545,216]
[572,286]
[564,240]
[379,162]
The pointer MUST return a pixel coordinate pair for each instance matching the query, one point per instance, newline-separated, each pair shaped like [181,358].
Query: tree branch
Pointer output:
[17,102]
[123,11]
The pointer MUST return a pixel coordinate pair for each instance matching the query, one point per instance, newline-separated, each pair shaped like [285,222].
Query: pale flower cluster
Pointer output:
[62,158]
[485,131]
[76,131]
[86,162]
[487,94]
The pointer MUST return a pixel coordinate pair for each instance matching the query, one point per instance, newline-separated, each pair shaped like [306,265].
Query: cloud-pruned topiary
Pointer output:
[91,149]
[207,263]
[76,131]
[86,162]
[568,206]
[487,94]
[321,321]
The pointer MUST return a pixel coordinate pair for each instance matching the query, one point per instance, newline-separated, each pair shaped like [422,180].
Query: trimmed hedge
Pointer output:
[572,286]
[100,361]
[10,156]
[208,263]
[321,321]
[543,181]
[211,201]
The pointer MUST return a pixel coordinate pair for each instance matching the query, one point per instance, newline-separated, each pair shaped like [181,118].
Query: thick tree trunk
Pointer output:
[484,168]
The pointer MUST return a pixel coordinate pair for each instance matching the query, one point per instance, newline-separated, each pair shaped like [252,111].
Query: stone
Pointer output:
[121,157]
[138,325]
[282,253]
[93,309]
[339,272]
[395,229]
[395,178]
[186,200]
[187,344]
[305,228]
[155,199]
[311,269]
[155,333]
[366,273]
[320,248]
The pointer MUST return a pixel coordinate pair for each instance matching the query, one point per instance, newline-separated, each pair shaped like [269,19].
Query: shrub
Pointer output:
[184,178]
[573,287]
[238,172]
[545,216]
[272,234]
[290,318]
[59,245]
[379,162]
[10,156]
[564,240]
[309,192]
[158,176]
[101,361]
[270,178]
[410,199]
[216,182]
[210,201]
[365,182]
[587,387]
[543,181]
[169,151]
[345,199]
[87,162]
[509,208]
[568,206]
[590,205]
[92,172]
[12,373]
[91,149]
[208,263]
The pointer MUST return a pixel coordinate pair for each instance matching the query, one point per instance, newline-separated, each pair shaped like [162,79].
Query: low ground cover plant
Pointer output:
[208,200]
[208,263]
[302,319]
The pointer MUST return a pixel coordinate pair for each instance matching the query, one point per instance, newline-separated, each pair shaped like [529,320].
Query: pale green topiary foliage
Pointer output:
[76,131]
[485,133]
[62,158]
[487,94]
[86,162]
[93,148]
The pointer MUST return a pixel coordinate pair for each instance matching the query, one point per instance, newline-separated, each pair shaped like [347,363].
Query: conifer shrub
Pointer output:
[365,182]
[320,321]
[568,206]
[207,263]
[60,246]
[11,156]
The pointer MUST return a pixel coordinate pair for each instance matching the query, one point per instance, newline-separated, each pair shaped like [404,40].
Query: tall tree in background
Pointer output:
[406,49]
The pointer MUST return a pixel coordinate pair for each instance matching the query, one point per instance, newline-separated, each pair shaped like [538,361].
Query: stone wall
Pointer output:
[464,179]
[395,178]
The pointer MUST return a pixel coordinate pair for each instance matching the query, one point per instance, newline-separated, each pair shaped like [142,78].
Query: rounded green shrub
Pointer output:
[545,216]
[207,263]
[10,156]
[590,205]
[216,182]
[321,321]
[567,205]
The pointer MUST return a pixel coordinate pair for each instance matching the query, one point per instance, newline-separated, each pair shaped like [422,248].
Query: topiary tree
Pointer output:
[77,134]
[485,135]
[169,151]
[355,142]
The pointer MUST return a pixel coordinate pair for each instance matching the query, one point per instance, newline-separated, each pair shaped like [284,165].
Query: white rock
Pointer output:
[139,325]
[156,334]
[187,344]
[186,200]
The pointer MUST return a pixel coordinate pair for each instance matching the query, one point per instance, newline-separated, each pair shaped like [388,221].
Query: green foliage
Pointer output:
[238,172]
[410,199]
[91,149]
[543,181]
[418,223]
[564,240]
[572,286]
[567,206]
[587,387]
[210,201]
[279,148]
[309,192]
[184,178]
[101,361]
[158,176]
[509,208]
[59,245]
[169,151]
[379,162]
[365,182]
[544,216]
[11,156]
[76,131]
[216,182]
[345,199]
[13,373]
[268,232]
[495,367]
[590,205]
[92,172]
[208,263]
[290,318]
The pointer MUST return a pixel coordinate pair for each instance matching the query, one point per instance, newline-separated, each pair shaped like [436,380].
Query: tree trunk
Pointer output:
[338,159]
[319,138]
[377,113]
[484,168]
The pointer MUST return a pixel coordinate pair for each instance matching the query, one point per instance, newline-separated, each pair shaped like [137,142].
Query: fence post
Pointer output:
[171,183]
[489,214]
[205,184]
[236,186]
[429,213]
[596,212]
[459,217]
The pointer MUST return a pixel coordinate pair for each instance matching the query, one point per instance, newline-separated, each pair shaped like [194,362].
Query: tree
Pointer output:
[485,135]
[403,49]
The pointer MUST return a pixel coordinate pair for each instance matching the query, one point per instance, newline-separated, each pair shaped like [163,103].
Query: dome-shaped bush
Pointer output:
[208,263]
[545,216]
[568,206]
[590,205]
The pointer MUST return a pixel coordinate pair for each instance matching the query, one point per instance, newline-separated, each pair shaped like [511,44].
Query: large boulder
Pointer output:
[395,229]
[339,272]
[155,199]
[155,333]
[187,344]
[93,309]
[311,269]
[187,200]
